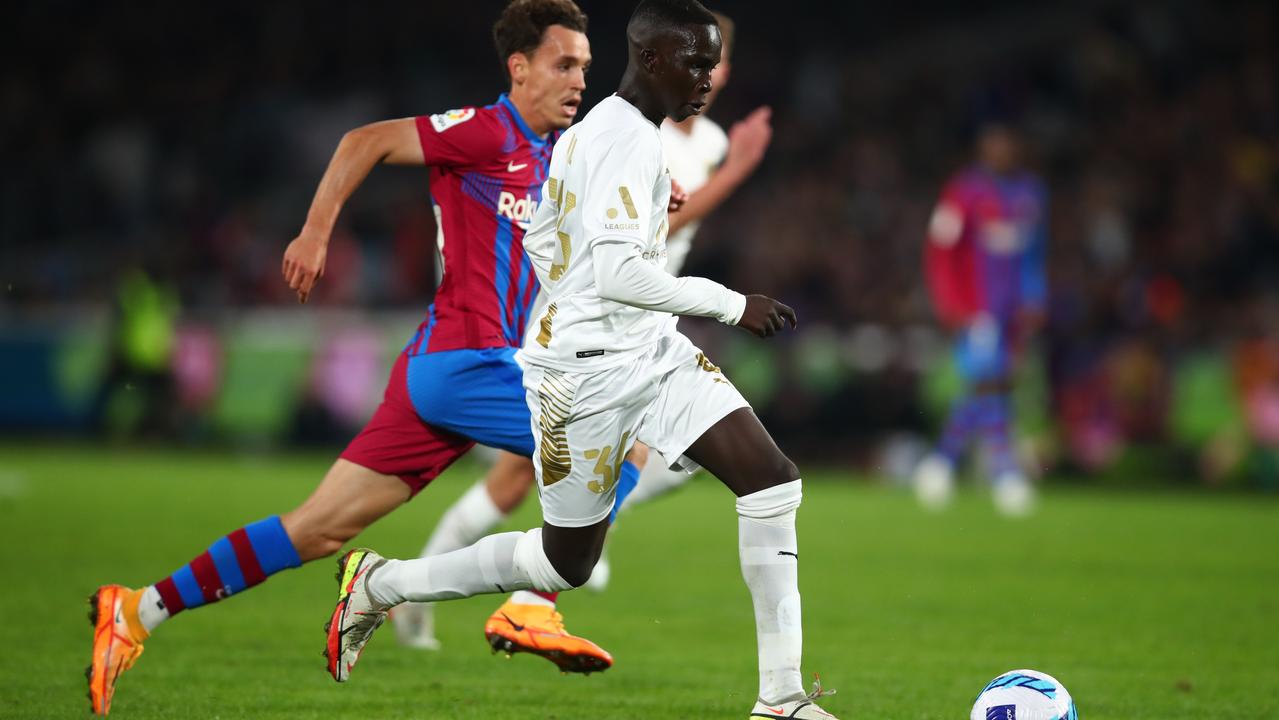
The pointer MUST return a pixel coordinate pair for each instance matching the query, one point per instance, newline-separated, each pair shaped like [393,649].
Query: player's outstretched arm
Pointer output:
[747,141]
[392,141]
[622,275]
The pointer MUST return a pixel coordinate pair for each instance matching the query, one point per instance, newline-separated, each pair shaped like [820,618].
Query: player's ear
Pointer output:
[648,60]
[518,66]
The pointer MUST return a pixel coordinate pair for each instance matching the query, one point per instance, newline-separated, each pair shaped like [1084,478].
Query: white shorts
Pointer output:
[585,423]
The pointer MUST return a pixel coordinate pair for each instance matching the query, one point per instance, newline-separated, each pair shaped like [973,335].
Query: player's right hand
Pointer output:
[304,263]
[765,316]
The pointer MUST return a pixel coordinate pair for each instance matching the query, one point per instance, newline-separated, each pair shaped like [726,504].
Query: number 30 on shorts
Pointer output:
[607,467]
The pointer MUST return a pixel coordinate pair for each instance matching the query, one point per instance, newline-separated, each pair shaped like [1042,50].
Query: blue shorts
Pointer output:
[478,394]
[983,352]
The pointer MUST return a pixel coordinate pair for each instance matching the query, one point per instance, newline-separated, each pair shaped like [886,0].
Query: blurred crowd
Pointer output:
[187,142]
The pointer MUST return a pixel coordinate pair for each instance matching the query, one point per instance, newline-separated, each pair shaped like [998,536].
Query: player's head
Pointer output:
[674,46]
[543,48]
[998,147]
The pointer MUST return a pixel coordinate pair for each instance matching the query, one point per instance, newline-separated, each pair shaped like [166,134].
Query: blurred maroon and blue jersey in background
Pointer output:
[986,247]
[985,263]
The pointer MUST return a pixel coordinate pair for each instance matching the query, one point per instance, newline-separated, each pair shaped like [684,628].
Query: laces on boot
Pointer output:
[557,622]
[818,692]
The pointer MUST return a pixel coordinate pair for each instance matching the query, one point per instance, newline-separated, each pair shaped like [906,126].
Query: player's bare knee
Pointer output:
[780,470]
[511,491]
[638,455]
[509,482]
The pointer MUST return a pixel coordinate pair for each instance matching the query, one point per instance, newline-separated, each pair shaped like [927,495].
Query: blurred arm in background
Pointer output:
[947,258]
[392,141]
[747,141]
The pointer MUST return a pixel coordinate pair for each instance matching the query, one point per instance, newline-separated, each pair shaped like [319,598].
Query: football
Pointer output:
[1024,695]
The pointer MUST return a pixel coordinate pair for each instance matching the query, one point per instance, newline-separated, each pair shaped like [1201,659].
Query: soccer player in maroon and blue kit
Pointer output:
[456,383]
[985,270]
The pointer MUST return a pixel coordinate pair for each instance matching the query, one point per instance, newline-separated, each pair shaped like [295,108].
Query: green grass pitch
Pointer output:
[1158,604]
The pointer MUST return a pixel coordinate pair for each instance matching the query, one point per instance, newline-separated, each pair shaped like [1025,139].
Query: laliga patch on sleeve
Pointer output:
[446,120]
[1001,712]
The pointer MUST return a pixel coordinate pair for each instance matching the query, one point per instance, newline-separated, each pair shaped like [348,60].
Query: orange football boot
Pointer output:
[117,641]
[539,629]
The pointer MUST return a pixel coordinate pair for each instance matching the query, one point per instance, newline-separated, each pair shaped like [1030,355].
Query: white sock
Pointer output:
[473,516]
[770,565]
[499,563]
[151,609]
[524,597]
[655,480]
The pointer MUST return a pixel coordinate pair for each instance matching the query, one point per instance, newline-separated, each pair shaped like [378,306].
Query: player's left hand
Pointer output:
[679,196]
[765,317]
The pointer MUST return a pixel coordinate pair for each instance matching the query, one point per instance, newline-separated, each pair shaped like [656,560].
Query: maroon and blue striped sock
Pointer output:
[234,563]
[960,427]
[994,417]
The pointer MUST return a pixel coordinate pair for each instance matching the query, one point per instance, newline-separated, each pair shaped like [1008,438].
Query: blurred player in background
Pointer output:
[456,383]
[985,270]
[608,367]
[709,165]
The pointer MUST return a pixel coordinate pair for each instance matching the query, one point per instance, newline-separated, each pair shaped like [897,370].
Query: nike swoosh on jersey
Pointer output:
[512,167]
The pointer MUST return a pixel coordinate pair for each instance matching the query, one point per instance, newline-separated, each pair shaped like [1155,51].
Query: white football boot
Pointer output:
[934,482]
[1014,495]
[802,709]
[356,616]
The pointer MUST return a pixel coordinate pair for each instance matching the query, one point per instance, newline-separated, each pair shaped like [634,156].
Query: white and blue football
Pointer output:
[1024,695]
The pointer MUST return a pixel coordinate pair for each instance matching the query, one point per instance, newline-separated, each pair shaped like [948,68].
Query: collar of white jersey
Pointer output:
[633,109]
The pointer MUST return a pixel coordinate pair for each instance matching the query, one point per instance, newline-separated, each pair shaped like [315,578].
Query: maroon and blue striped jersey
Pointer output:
[487,170]
[986,247]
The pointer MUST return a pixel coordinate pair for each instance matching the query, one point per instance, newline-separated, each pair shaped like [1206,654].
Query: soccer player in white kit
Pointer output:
[709,165]
[607,367]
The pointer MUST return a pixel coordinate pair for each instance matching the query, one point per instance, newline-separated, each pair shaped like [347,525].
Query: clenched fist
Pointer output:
[765,316]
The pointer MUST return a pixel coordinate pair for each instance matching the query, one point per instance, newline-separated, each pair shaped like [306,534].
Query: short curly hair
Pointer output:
[523,22]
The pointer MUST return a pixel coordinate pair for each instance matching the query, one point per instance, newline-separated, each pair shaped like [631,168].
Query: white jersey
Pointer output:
[607,184]
[692,158]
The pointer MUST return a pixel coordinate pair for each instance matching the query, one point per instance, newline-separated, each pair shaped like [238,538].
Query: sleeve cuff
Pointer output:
[734,307]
